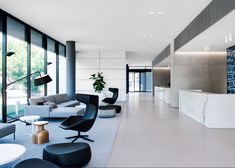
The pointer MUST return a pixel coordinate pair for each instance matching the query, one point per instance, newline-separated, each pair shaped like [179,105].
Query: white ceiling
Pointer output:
[214,37]
[109,24]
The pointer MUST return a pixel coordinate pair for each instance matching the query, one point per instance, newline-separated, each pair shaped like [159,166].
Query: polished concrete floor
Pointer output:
[153,134]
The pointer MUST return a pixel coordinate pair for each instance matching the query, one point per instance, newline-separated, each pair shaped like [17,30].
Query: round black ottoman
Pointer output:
[117,108]
[34,163]
[68,154]
[106,112]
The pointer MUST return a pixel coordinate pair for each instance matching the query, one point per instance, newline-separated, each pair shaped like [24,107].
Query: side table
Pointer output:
[41,135]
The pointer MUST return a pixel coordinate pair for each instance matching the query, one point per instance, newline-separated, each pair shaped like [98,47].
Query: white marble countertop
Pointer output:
[213,110]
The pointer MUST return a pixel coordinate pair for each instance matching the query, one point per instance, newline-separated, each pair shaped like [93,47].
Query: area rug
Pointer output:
[103,133]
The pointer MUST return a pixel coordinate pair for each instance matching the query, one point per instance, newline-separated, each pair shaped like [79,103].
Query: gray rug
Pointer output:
[103,133]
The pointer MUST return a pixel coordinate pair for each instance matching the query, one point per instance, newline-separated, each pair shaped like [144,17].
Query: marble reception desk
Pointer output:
[162,93]
[209,109]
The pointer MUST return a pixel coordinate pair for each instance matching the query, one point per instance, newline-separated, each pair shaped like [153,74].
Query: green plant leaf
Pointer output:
[98,83]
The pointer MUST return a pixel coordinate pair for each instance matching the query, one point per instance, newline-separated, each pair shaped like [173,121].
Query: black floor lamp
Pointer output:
[40,80]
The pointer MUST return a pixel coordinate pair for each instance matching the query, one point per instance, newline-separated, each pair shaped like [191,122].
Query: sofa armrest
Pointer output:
[42,111]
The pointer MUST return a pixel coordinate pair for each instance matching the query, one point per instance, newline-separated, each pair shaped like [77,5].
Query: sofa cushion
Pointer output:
[64,112]
[58,98]
[51,104]
[35,100]
[65,97]
[48,98]
[70,103]
[6,129]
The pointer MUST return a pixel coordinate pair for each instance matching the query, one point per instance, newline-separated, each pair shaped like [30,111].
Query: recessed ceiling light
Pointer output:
[145,35]
[150,35]
[151,12]
[160,12]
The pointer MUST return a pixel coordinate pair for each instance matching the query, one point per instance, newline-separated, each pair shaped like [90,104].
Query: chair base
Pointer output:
[79,136]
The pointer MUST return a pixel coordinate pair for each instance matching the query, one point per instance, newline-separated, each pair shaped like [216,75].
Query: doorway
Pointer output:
[140,80]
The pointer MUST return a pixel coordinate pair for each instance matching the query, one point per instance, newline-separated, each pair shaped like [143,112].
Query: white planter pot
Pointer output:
[101,97]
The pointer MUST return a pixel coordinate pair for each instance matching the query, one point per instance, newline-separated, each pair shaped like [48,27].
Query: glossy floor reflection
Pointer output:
[153,134]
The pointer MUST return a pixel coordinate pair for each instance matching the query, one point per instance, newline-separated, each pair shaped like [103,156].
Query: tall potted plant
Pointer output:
[99,83]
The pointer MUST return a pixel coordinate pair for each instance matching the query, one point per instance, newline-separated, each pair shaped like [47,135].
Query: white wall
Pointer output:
[111,63]
[139,59]
[200,71]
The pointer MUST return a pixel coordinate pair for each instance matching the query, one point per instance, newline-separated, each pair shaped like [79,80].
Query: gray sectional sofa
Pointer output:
[7,129]
[55,106]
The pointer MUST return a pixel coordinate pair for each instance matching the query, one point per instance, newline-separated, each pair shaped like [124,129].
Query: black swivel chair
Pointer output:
[35,163]
[112,100]
[83,123]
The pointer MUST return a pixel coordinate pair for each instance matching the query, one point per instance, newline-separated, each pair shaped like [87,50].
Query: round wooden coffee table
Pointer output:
[41,135]
[10,153]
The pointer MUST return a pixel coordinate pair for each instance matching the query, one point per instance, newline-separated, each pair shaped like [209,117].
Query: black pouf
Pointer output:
[68,154]
[107,107]
[117,108]
[35,163]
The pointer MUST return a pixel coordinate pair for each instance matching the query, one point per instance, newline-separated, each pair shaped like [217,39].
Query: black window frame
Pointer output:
[28,29]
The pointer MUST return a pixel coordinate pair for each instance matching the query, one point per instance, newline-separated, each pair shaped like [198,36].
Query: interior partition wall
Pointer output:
[34,51]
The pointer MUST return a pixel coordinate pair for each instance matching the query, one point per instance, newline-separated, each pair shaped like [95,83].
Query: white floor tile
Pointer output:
[153,134]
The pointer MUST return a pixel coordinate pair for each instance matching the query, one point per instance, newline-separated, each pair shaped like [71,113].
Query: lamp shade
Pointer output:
[41,80]
[8,54]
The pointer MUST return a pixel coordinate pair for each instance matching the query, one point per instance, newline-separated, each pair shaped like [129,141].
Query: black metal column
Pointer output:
[28,40]
[44,45]
[127,78]
[57,67]
[4,67]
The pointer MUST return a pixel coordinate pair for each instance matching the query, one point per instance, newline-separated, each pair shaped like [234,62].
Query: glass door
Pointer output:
[140,80]
[148,82]
[131,82]
[137,82]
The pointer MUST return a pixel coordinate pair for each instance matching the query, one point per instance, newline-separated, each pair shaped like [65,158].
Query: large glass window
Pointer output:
[62,69]
[51,66]
[16,67]
[17,64]
[37,62]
